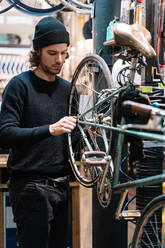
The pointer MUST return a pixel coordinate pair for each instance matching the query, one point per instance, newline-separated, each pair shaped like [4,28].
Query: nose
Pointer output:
[59,59]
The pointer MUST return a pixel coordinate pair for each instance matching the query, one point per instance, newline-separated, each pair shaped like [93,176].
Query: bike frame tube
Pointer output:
[140,134]
[151,180]
[104,135]
[97,105]
[85,138]
[118,154]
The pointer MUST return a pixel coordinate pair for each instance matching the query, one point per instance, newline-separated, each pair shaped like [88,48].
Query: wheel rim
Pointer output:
[34,8]
[90,77]
[152,230]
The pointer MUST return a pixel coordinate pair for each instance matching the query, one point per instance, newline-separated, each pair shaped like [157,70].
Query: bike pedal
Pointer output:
[130,214]
[95,158]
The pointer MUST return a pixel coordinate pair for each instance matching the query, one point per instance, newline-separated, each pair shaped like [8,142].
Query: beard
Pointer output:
[48,71]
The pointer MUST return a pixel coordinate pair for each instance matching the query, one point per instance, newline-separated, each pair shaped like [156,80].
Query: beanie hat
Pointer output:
[49,31]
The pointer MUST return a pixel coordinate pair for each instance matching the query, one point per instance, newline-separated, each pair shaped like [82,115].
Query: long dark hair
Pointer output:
[34,59]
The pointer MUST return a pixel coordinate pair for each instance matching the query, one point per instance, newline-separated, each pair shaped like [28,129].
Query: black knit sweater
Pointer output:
[29,106]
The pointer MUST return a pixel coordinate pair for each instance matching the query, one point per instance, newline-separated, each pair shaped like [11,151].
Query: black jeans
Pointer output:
[41,213]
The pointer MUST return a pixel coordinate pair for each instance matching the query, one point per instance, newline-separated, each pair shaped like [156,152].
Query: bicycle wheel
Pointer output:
[90,78]
[77,6]
[4,7]
[37,7]
[150,228]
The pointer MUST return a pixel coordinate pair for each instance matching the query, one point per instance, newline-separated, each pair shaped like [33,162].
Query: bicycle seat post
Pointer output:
[133,69]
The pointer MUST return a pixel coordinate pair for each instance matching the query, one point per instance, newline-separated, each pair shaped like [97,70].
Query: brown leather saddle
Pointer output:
[135,36]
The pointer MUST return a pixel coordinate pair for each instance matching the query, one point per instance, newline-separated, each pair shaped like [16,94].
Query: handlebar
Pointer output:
[142,109]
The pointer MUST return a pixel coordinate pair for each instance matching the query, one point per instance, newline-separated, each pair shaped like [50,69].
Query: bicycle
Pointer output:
[46,7]
[34,7]
[90,145]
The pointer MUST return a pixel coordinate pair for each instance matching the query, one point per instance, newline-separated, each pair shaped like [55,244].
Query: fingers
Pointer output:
[68,123]
[64,125]
[108,118]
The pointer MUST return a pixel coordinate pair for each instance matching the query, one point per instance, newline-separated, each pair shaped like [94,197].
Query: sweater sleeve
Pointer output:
[11,132]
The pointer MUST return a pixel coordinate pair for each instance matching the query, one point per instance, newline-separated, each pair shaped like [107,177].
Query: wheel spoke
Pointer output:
[36,7]
[91,76]
[149,229]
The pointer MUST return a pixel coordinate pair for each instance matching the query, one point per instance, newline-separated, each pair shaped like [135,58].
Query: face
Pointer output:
[52,58]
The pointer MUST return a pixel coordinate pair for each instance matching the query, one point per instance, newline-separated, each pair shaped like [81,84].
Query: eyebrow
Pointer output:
[51,50]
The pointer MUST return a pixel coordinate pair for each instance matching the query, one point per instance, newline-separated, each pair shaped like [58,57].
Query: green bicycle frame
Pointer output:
[117,186]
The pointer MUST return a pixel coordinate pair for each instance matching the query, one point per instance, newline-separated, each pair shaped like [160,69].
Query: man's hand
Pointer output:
[64,125]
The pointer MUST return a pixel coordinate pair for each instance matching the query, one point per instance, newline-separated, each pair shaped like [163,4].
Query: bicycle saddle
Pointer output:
[135,36]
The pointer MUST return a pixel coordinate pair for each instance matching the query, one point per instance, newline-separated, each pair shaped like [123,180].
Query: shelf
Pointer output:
[3,160]
[3,186]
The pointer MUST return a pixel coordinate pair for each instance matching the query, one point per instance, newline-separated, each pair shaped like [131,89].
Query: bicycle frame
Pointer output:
[117,186]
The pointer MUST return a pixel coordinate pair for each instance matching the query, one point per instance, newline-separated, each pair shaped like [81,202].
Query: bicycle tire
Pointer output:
[6,8]
[91,76]
[150,227]
[32,9]
[79,8]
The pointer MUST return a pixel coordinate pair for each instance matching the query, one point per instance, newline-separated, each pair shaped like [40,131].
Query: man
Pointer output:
[34,125]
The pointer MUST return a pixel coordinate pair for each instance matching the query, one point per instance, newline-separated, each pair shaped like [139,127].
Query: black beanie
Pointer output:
[49,31]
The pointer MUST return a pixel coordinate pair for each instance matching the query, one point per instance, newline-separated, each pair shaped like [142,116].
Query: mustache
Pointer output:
[57,65]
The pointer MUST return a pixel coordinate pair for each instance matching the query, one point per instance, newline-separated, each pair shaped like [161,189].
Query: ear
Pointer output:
[38,52]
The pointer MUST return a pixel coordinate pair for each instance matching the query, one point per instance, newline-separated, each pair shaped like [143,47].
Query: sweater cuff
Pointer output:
[44,131]
[40,133]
